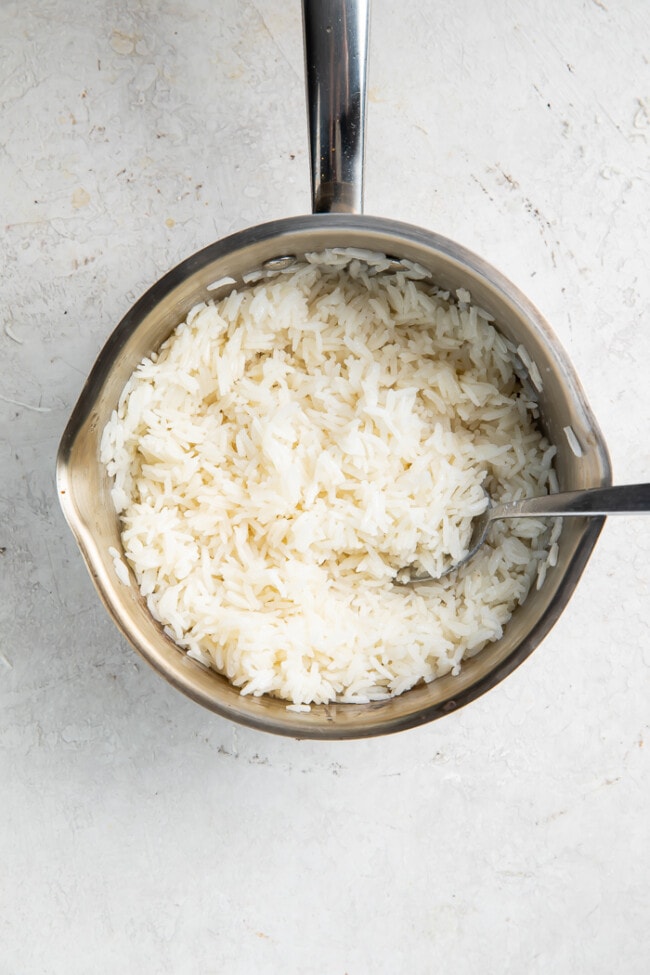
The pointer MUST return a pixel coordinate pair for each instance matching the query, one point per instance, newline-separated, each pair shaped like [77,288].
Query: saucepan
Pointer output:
[335,34]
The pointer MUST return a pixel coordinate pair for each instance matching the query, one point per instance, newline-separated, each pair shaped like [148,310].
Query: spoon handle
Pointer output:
[624,499]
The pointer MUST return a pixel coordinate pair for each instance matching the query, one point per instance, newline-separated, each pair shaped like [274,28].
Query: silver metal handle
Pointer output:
[624,499]
[336,55]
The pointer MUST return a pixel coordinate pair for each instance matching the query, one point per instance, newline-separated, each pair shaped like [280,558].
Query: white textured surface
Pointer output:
[139,833]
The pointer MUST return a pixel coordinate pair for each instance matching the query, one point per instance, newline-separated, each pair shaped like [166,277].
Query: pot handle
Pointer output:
[336,55]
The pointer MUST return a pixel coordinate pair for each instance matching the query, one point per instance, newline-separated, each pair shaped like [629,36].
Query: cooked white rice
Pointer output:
[293,445]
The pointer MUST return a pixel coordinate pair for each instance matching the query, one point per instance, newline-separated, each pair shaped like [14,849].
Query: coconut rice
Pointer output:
[297,442]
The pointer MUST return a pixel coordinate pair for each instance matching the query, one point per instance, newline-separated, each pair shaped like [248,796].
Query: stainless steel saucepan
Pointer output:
[336,50]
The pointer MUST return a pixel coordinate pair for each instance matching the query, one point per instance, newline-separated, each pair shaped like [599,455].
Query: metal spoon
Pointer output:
[626,499]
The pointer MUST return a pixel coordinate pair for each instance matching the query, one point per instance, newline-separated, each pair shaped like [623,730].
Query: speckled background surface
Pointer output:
[139,833]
